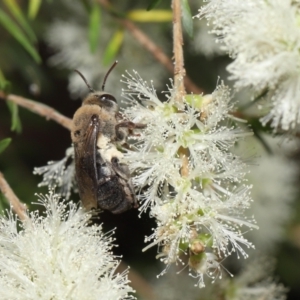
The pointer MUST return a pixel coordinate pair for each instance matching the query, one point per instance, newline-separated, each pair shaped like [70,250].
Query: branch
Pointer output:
[17,206]
[179,75]
[150,46]
[41,109]
[184,154]
[179,72]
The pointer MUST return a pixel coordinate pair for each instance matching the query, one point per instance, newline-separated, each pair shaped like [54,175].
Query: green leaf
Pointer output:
[187,19]
[86,5]
[152,4]
[16,124]
[156,15]
[4,144]
[4,84]
[15,10]
[33,8]
[113,47]
[15,31]
[94,27]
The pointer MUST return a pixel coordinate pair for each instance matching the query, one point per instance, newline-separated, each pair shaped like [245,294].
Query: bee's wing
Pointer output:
[86,172]
[121,169]
[123,173]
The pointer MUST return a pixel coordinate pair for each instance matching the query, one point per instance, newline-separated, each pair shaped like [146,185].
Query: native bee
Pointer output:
[97,129]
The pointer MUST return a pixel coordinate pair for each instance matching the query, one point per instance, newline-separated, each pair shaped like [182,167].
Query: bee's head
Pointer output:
[103,99]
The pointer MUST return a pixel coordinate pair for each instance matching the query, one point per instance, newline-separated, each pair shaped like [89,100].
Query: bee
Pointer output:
[98,129]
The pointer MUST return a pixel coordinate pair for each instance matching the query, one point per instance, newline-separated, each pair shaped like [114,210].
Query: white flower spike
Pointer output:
[263,38]
[202,212]
[58,256]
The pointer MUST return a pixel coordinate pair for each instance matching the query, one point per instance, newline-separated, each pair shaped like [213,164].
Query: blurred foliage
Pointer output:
[113,47]
[13,28]
[4,144]
[33,8]
[187,21]
[94,27]
[24,56]
[152,4]
[157,15]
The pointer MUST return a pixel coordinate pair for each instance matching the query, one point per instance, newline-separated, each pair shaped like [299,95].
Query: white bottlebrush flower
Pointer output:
[263,39]
[201,211]
[203,42]
[59,174]
[58,256]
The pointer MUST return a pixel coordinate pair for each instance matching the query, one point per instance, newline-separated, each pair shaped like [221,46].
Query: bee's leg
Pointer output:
[130,126]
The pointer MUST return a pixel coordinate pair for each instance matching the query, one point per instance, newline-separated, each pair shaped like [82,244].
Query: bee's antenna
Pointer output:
[114,64]
[90,88]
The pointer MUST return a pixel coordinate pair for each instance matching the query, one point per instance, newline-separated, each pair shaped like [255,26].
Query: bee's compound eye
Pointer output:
[114,160]
[107,97]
